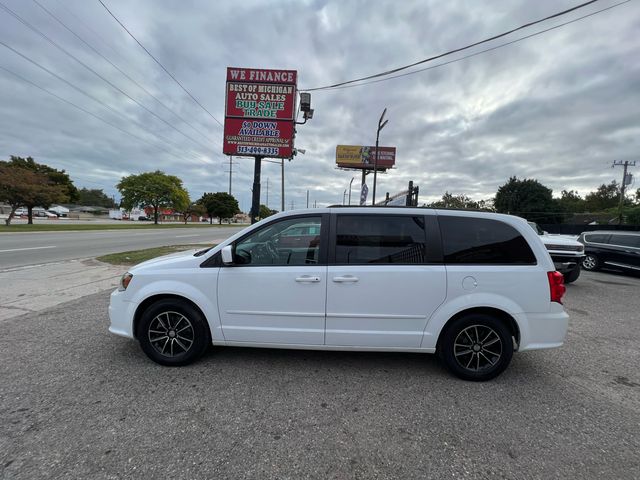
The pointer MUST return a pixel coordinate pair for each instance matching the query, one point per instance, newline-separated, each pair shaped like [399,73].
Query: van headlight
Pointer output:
[125,280]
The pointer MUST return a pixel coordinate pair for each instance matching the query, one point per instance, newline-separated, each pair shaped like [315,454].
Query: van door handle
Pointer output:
[307,279]
[345,279]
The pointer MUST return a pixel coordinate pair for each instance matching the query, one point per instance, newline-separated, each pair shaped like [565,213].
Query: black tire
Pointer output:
[573,275]
[591,262]
[489,351]
[172,332]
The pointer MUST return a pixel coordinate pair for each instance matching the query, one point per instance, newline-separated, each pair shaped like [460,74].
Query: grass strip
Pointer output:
[57,227]
[134,257]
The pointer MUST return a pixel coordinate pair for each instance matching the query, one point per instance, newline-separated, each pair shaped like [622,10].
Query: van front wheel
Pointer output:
[173,333]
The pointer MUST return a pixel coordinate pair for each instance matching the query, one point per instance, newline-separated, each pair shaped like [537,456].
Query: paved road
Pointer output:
[76,402]
[20,249]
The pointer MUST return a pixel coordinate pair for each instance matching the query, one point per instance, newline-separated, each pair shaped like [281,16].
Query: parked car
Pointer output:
[44,213]
[567,254]
[615,249]
[472,287]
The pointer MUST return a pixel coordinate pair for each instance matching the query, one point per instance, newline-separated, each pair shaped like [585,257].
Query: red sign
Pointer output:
[260,112]
[261,100]
[261,76]
[266,138]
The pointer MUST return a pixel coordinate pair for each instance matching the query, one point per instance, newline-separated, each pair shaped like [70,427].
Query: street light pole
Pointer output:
[352,178]
[375,162]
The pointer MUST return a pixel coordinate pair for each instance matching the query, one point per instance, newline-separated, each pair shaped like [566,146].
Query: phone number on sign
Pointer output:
[258,150]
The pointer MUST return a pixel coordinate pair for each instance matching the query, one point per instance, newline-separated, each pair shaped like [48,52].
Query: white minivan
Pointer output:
[472,287]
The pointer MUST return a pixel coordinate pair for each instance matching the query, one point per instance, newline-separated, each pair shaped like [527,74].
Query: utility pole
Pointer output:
[230,171]
[267,203]
[307,198]
[626,164]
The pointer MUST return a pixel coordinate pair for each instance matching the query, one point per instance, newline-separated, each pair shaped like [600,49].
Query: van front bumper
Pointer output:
[121,314]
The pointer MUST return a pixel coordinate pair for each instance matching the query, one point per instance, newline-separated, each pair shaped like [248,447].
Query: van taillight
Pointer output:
[556,286]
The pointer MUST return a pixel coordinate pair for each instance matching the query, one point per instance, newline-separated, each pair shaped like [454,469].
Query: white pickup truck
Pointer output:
[567,254]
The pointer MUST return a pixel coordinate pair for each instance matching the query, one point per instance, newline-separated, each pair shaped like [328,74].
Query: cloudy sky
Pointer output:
[558,107]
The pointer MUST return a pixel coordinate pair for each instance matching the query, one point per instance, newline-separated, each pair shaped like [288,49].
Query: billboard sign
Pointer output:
[363,158]
[266,138]
[261,100]
[260,112]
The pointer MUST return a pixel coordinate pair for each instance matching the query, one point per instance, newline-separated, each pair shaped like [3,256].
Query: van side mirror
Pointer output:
[227,255]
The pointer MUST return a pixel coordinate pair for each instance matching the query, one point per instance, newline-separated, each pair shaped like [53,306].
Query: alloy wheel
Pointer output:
[171,334]
[590,262]
[477,347]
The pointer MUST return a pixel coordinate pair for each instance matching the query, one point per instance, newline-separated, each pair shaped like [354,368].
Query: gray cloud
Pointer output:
[558,107]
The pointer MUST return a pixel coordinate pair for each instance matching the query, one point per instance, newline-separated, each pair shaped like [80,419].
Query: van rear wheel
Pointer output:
[476,347]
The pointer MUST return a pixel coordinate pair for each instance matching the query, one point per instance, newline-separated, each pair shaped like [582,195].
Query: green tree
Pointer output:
[219,204]
[632,215]
[606,196]
[266,212]
[528,198]
[486,205]
[193,208]
[154,189]
[55,185]
[21,187]
[94,197]
[571,201]
[460,201]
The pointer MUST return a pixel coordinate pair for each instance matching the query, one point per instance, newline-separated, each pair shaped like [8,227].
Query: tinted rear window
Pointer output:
[596,237]
[483,241]
[625,240]
[380,239]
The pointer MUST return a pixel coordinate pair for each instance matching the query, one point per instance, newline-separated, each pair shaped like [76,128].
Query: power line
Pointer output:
[118,68]
[161,65]
[93,31]
[413,72]
[88,95]
[52,42]
[87,111]
[450,52]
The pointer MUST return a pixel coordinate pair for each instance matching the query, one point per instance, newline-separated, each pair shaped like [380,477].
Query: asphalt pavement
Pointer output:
[77,402]
[33,248]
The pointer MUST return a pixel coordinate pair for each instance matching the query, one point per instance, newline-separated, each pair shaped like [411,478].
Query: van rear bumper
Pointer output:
[543,330]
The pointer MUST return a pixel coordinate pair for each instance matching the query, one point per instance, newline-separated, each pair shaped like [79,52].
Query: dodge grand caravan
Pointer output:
[471,287]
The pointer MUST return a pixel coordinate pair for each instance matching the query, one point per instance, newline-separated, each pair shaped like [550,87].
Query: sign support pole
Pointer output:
[255,198]
[282,185]
[375,168]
